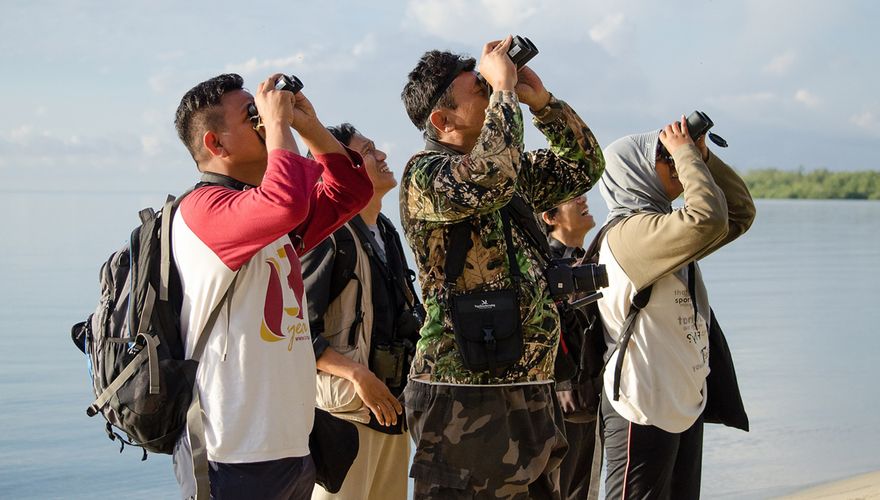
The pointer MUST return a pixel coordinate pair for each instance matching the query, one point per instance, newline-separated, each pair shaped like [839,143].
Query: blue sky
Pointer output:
[90,88]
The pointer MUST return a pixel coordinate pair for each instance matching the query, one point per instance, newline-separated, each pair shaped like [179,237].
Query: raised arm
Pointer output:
[571,165]
[650,245]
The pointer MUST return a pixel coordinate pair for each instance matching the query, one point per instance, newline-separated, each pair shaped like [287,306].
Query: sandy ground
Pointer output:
[866,486]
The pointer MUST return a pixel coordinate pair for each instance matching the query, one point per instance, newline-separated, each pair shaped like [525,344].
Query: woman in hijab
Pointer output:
[655,382]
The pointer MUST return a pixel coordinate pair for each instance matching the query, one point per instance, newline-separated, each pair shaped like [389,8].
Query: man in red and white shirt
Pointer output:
[256,377]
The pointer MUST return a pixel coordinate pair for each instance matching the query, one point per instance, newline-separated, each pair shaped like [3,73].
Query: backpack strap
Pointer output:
[639,302]
[168,211]
[344,265]
[195,424]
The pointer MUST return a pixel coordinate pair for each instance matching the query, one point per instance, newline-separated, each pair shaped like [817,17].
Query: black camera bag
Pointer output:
[488,331]
[487,325]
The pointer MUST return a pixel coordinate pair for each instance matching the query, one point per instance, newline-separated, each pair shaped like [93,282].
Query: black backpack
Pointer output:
[142,383]
[144,386]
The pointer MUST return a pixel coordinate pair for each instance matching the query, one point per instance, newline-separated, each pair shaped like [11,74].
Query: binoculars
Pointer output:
[290,83]
[521,51]
[698,123]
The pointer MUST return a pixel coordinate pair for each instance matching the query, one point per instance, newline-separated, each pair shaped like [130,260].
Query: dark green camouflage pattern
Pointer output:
[439,189]
[485,442]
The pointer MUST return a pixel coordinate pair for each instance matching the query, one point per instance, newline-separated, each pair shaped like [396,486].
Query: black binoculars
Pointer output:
[698,123]
[521,51]
[290,83]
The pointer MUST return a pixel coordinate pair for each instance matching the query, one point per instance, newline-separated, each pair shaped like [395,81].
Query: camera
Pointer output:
[521,51]
[290,83]
[581,281]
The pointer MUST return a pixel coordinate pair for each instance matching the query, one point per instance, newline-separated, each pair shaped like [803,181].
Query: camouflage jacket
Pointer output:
[441,187]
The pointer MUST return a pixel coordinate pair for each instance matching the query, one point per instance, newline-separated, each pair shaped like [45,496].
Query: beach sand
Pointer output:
[863,487]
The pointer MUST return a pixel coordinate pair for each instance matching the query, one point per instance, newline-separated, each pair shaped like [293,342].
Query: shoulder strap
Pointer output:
[592,252]
[458,244]
[407,288]
[524,217]
[639,302]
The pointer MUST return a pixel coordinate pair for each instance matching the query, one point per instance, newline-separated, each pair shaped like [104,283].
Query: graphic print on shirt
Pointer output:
[274,312]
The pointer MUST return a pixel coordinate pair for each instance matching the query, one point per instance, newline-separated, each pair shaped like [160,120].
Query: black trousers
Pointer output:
[576,467]
[646,462]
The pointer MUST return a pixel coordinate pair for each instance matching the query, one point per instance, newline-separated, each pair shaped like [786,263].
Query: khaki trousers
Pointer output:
[379,471]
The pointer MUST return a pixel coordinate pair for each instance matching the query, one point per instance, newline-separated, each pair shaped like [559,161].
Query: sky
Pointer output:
[90,88]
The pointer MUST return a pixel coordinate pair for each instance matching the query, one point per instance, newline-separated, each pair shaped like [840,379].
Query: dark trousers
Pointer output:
[646,462]
[576,467]
[290,478]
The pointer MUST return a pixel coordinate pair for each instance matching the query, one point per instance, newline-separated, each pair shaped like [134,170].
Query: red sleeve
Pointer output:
[235,225]
[345,190]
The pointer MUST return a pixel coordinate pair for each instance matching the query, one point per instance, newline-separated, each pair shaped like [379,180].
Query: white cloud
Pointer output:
[314,59]
[367,46]
[781,64]
[742,100]
[806,98]
[254,65]
[20,135]
[866,120]
[159,83]
[608,33]
[151,145]
[469,20]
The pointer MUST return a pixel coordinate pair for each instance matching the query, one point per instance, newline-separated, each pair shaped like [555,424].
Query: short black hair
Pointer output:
[343,132]
[434,70]
[199,111]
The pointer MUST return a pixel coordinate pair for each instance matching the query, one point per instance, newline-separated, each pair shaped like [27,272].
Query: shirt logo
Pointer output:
[274,312]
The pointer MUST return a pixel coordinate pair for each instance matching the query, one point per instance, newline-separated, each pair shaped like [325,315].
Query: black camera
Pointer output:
[291,83]
[580,281]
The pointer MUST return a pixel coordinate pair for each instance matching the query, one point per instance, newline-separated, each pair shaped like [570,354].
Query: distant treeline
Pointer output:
[816,184]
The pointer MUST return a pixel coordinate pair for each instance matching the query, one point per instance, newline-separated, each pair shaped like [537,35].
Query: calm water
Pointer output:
[796,295]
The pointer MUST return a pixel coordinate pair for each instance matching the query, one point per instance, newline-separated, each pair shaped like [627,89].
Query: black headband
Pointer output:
[461,65]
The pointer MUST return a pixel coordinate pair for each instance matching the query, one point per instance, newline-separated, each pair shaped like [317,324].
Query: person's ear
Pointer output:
[548,219]
[440,121]
[212,144]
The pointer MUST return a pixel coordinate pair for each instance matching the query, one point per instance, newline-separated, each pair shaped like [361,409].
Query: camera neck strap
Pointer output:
[459,243]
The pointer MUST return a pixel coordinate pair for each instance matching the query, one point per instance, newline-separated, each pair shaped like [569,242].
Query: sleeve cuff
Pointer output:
[503,97]
[551,112]
[354,157]
[319,345]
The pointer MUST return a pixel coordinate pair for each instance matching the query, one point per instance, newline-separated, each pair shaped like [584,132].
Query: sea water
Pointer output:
[797,297]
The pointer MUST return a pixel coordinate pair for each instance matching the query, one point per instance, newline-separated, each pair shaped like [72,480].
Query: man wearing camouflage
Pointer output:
[495,433]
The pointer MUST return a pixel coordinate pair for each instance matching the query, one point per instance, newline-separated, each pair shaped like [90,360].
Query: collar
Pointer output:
[435,145]
[215,179]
